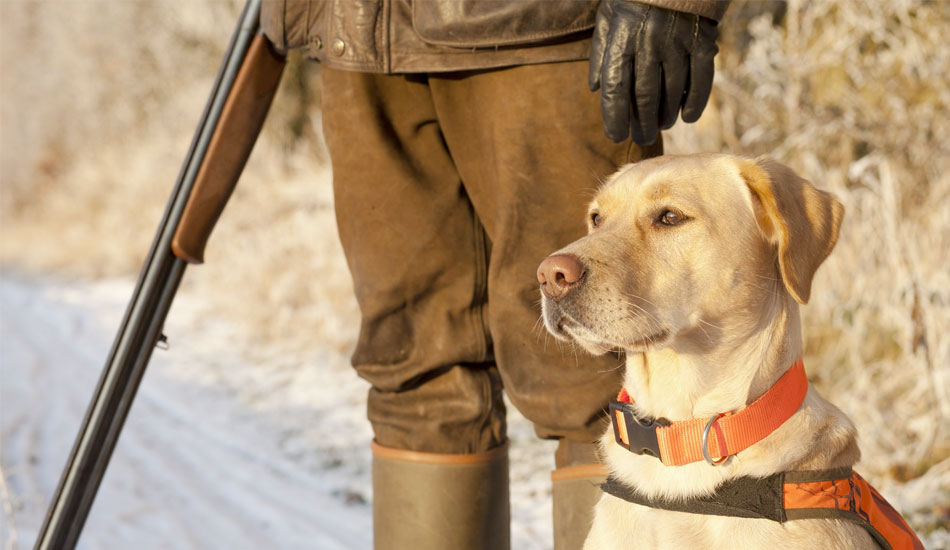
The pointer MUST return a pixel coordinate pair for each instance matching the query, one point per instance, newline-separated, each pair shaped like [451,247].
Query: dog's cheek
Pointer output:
[637,290]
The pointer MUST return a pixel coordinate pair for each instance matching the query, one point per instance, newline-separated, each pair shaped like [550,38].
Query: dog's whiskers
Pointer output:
[539,327]
[705,333]
[643,310]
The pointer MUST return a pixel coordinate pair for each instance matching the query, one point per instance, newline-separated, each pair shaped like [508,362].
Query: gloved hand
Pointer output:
[648,62]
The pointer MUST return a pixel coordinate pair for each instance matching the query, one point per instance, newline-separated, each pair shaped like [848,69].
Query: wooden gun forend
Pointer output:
[241,119]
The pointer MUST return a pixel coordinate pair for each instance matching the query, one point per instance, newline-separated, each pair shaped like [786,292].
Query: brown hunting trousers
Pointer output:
[450,189]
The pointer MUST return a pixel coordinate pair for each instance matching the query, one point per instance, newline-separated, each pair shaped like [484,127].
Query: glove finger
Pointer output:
[675,66]
[616,79]
[653,45]
[646,90]
[598,46]
[701,70]
[674,88]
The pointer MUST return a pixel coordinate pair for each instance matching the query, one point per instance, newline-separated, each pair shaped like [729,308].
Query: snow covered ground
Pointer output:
[219,451]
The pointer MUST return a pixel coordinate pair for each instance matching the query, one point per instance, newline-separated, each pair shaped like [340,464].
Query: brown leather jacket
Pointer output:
[402,36]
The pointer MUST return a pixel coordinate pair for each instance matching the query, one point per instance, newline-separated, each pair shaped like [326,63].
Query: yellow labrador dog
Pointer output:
[694,266]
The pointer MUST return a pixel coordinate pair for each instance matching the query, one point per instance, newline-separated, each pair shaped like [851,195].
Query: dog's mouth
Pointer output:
[565,327]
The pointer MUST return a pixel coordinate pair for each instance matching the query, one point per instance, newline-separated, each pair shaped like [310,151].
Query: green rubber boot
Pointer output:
[431,501]
[576,489]
[575,485]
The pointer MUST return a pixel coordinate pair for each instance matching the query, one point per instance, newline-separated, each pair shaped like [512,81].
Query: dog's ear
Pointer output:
[799,219]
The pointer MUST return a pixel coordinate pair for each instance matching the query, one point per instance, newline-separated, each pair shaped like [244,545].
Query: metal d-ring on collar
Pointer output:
[705,447]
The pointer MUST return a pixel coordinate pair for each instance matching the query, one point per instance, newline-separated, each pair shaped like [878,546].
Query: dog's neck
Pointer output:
[687,380]
[703,372]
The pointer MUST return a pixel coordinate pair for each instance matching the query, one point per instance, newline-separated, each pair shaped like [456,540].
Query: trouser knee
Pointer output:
[458,409]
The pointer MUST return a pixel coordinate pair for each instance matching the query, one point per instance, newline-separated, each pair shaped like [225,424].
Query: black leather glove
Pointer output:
[648,62]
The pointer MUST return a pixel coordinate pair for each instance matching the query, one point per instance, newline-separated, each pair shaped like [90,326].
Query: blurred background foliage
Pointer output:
[99,101]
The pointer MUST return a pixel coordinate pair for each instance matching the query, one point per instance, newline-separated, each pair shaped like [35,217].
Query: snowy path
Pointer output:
[215,453]
[183,475]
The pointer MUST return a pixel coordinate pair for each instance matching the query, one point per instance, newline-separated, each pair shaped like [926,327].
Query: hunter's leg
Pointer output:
[418,256]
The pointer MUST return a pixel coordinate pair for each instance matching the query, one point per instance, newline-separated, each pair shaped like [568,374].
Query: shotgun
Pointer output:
[231,121]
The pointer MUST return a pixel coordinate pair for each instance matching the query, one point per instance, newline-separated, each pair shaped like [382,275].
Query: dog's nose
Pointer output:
[559,275]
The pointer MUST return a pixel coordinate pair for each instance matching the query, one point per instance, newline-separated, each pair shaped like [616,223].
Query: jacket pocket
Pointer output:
[490,23]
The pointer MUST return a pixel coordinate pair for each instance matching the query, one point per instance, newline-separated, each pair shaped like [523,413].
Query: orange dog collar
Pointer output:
[722,435]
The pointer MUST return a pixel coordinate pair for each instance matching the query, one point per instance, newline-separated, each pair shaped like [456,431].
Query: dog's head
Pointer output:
[679,247]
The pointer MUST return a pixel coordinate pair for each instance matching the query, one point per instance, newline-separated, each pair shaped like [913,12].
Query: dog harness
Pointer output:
[831,494]
[828,494]
[682,442]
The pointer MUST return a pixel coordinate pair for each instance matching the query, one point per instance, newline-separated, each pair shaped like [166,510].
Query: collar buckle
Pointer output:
[636,434]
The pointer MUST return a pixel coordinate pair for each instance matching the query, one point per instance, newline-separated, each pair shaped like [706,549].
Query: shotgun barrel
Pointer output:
[229,126]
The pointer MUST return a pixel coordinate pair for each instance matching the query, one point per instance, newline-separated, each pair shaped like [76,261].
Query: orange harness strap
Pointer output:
[787,496]
[853,499]
[677,443]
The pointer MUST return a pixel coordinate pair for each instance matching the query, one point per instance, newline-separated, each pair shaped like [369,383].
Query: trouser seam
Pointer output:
[480,289]
[479,293]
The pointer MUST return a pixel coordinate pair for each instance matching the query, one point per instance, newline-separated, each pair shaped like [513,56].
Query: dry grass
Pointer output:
[100,98]
[97,116]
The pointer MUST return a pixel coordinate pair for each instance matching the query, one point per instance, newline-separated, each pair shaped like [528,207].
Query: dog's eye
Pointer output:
[595,219]
[669,217]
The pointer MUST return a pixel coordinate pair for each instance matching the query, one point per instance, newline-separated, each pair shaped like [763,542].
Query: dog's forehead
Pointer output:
[707,179]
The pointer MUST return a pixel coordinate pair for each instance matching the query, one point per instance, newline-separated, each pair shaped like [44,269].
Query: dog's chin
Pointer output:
[587,340]
[595,344]
[563,327]
[566,329]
